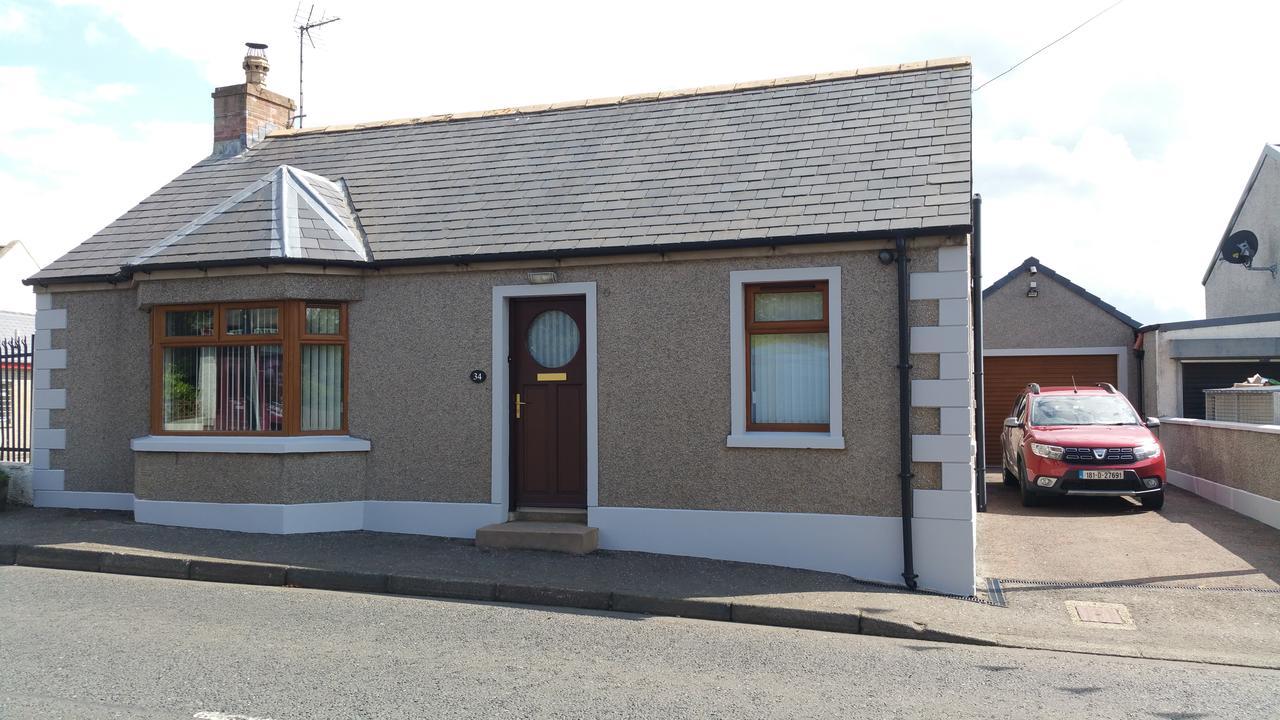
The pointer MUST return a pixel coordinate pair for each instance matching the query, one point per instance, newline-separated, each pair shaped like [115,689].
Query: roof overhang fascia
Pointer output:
[125,273]
[1065,282]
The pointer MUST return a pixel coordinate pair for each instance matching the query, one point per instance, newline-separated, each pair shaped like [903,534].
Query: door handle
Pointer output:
[519,405]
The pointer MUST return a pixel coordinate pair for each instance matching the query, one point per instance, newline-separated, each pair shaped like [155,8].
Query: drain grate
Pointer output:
[995,593]
[1086,585]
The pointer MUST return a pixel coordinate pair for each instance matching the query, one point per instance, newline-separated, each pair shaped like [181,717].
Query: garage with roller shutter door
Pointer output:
[1040,327]
[1007,375]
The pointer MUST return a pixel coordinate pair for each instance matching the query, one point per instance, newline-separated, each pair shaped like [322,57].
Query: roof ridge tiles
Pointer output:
[917,66]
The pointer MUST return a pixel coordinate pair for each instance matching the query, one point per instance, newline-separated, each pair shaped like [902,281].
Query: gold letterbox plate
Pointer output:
[552,377]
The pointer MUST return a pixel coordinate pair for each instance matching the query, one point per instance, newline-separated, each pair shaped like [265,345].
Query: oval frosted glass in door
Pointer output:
[553,339]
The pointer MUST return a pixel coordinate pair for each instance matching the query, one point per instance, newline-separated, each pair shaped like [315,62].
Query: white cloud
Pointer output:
[70,176]
[1116,156]
[14,20]
[112,92]
[93,34]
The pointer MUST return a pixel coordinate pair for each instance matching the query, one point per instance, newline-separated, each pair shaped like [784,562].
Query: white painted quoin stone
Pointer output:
[944,520]
[47,484]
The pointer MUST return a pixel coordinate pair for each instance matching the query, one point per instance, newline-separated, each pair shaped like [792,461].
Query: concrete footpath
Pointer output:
[1236,627]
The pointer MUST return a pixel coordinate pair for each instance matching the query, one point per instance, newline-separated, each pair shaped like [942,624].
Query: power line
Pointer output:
[1068,34]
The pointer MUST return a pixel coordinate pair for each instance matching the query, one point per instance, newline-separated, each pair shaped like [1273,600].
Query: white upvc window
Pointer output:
[785,358]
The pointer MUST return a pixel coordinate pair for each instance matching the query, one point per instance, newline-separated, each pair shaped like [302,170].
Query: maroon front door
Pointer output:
[549,402]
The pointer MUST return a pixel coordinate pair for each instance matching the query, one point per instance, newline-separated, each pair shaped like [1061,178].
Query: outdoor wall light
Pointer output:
[542,277]
[887,257]
[1033,290]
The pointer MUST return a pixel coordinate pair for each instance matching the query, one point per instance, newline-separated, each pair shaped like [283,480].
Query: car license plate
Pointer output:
[1101,474]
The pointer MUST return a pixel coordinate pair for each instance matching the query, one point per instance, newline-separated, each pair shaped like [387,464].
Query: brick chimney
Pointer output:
[244,114]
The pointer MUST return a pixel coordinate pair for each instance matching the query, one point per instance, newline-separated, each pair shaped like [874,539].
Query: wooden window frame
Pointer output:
[779,327]
[291,337]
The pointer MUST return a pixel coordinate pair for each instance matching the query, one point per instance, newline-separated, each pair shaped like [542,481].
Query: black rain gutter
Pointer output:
[979,409]
[125,273]
[904,410]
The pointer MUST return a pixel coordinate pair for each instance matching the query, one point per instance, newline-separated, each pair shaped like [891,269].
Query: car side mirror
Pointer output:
[1153,423]
[1012,422]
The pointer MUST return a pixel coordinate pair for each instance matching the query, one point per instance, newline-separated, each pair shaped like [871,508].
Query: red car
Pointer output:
[1081,441]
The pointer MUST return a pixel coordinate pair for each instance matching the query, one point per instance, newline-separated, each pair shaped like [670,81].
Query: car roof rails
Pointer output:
[1108,387]
[1034,388]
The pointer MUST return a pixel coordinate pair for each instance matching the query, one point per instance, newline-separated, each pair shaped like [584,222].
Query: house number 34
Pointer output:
[478,376]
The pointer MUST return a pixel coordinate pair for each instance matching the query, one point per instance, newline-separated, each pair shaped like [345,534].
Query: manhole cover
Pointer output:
[1099,614]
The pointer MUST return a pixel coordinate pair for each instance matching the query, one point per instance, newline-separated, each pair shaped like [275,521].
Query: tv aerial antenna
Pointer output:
[304,27]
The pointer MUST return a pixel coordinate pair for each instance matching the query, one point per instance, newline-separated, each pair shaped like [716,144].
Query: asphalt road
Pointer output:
[90,645]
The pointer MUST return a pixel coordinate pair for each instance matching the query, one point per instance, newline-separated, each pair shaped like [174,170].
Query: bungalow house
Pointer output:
[729,322]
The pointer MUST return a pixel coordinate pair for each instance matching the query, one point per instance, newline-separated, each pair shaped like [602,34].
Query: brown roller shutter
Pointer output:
[1005,376]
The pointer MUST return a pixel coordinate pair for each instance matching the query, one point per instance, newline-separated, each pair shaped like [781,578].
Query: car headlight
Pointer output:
[1053,452]
[1144,452]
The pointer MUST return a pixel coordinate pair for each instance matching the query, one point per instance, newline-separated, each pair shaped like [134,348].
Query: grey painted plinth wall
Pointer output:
[1231,290]
[663,391]
[1057,318]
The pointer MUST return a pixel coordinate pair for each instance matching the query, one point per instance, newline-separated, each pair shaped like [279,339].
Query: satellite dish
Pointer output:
[1239,248]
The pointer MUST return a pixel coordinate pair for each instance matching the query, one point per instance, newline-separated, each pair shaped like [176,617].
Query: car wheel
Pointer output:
[1152,501]
[1029,498]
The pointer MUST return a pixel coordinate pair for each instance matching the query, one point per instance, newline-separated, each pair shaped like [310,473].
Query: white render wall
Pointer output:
[945,525]
[1168,371]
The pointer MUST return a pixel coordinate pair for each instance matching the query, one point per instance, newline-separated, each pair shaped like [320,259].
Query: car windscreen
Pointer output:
[1082,410]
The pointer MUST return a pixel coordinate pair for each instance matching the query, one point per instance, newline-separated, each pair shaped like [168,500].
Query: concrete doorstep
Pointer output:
[248,573]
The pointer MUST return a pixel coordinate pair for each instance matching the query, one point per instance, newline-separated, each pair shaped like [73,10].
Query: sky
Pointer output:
[1115,157]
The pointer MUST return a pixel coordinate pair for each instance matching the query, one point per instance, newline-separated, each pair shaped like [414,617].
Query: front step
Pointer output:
[575,538]
[551,515]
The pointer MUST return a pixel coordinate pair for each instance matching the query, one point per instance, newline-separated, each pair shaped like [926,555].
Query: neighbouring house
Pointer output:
[676,314]
[1040,327]
[1232,463]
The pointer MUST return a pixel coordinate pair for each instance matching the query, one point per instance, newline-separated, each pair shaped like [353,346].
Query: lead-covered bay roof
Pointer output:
[288,213]
[797,160]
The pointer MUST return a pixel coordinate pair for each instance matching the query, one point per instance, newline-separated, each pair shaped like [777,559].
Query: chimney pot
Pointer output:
[244,114]
[255,64]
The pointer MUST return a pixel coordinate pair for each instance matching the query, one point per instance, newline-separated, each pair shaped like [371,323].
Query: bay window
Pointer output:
[262,368]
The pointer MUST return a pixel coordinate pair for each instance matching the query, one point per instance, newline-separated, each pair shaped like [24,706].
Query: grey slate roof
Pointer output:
[287,213]
[854,156]
[16,324]
[1051,273]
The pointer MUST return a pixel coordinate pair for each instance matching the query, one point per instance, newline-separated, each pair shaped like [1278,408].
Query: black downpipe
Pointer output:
[979,395]
[1140,355]
[904,412]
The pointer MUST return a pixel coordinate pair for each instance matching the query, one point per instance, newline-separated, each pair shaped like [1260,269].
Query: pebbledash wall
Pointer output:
[1232,464]
[1057,321]
[428,446]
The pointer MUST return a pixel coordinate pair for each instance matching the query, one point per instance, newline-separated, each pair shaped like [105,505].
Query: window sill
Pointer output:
[249,444]
[802,440]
